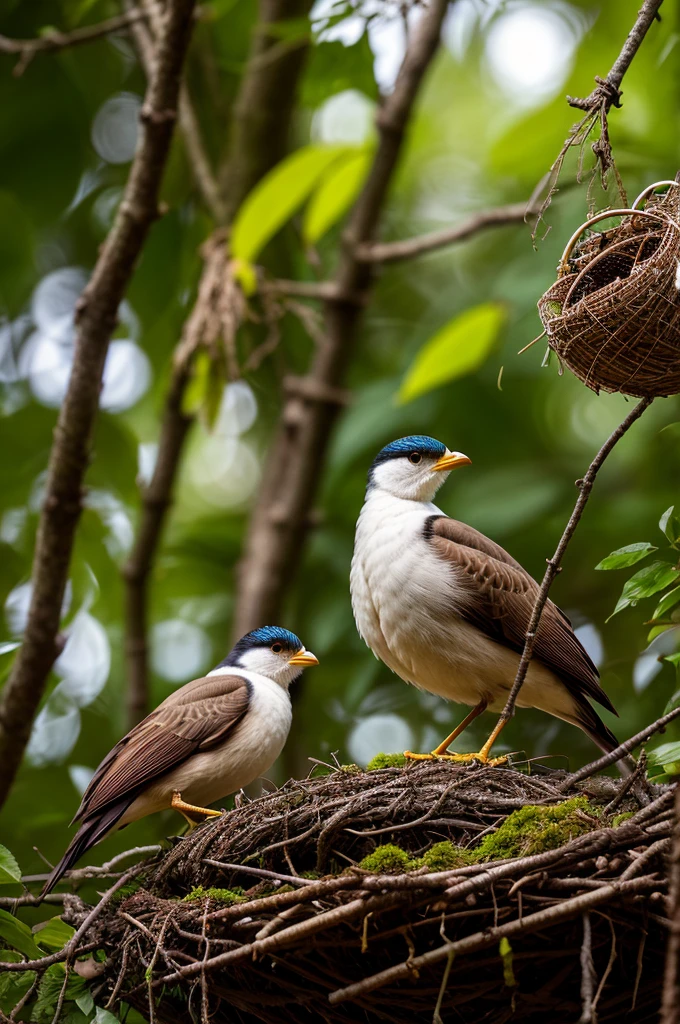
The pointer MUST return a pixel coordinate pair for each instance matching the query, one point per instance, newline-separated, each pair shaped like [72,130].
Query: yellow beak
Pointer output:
[304,658]
[451,461]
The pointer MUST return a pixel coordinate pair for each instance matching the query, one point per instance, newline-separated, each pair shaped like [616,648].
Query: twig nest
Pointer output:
[613,315]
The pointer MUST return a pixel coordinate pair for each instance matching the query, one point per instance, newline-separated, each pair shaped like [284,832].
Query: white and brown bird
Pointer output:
[205,741]
[447,609]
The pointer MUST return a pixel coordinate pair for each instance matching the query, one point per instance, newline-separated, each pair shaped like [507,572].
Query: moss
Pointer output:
[125,891]
[619,819]
[387,860]
[226,896]
[444,856]
[386,761]
[351,769]
[310,874]
[533,829]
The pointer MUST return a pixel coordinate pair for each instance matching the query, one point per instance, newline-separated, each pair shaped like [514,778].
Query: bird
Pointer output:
[447,609]
[206,740]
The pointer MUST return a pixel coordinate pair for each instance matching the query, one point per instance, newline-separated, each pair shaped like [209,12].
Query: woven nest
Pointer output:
[613,315]
[411,936]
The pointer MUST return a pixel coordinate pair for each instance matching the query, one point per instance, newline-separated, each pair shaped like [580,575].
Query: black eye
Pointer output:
[415,458]
[277,648]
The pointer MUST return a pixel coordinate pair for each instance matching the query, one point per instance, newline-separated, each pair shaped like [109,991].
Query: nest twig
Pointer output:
[504,939]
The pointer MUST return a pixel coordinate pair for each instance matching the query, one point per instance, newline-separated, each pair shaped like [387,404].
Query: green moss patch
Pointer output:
[619,819]
[387,860]
[226,896]
[385,761]
[533,829]
[445,856]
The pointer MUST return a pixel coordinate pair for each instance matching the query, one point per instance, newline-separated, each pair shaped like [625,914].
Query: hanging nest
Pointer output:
[435,892]
[613,315]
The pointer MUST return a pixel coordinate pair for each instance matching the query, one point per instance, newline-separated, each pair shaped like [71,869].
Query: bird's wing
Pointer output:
[501,597]
[194,718]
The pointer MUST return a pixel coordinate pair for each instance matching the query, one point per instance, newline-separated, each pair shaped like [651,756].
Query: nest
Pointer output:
[274,913]
[613,315]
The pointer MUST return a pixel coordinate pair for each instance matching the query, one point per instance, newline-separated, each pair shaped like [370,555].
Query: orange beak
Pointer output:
[451,460]
[303,658]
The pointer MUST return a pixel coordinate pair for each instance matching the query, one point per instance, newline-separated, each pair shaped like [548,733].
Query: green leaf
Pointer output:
[55,934]
[673,659]
[666,755]
[505,951]
[669,524]
[459,348]
[644,583]
[85,1002]
[673,703]
[628,555]
[333,68]
[18,935]
[276,198]
[205,390]
[337,191]
[667,602]
[9,869]
[103,1016]
[10,646]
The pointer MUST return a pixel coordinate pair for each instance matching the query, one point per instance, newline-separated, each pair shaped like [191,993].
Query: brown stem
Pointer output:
[188,120]
[262,116]
[279,520]
[670,1006]
[96,319]
[551,572]
[608,90]
[54,40]
[390,252]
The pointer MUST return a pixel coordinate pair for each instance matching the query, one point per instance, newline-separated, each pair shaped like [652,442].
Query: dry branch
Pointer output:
[96,319]
[585,487]
[390,252]
[53,41]
[259,139]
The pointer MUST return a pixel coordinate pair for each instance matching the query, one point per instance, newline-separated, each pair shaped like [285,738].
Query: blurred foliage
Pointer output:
[476,140]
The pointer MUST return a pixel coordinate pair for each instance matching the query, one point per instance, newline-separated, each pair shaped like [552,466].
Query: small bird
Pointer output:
[447,609]
[206,740]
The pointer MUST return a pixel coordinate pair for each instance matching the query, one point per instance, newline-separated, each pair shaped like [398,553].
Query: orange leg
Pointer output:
[441,750]
[180,805]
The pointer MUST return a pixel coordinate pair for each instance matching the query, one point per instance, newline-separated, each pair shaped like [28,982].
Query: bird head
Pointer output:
[414,467]
[273,652]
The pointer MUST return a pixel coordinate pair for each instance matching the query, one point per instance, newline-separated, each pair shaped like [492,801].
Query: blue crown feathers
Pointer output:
[405,445]
[265,636]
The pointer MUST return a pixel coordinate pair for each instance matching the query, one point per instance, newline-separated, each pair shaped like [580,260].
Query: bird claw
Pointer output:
[480,756]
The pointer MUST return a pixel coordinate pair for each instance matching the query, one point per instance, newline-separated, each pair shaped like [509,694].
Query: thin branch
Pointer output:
[608,90]
[259,139]
[96,316]
[615,755]
[201,168]
[491,936]
[587,972]
[296,455]
[585,487]
[53,41]
[390,252]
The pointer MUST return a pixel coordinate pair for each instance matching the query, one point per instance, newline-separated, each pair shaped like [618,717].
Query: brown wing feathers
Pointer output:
[501,599]
[196,717]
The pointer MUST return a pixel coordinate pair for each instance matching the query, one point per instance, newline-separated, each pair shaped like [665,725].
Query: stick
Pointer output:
[391,252]
[670,1006]
[615,755]
[491,936]
[554,563]
[96,318]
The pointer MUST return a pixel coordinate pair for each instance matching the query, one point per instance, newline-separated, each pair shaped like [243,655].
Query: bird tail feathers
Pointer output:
[593,726]
[89,833]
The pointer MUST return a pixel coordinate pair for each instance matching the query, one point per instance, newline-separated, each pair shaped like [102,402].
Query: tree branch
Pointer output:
[585,487]
[96,319]
[608,90]
[259,139]
[390,252]
[53,41]
[297,452]
[670,1006]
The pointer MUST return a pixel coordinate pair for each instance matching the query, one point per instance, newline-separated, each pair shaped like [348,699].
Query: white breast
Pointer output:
[404,599]
[248,752]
